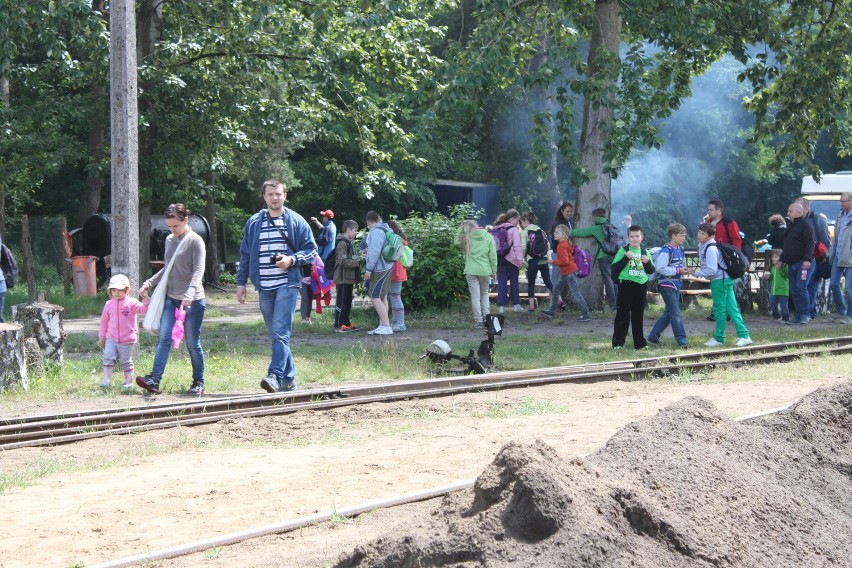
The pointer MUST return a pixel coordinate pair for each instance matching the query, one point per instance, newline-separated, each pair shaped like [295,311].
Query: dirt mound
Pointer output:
[688,487]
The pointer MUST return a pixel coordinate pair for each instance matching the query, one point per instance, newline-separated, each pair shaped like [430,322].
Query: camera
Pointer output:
[273,258]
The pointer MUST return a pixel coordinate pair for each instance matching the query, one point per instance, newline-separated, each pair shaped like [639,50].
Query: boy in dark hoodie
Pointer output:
[347,272]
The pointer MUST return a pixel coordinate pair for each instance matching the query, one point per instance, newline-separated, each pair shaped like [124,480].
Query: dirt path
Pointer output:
[115,497]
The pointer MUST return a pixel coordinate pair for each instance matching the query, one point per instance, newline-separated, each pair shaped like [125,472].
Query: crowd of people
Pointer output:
[282,259]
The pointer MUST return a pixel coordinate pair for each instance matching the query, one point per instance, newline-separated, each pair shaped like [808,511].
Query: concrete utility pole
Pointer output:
[125,140]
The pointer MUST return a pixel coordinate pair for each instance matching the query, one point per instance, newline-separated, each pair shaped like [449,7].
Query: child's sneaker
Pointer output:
[307,321]
[562,306]
[584,318]
[547,313]
[127,386]
[105,384]
[518,308]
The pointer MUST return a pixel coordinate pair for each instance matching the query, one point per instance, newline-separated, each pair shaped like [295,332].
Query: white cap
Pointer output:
[119,282]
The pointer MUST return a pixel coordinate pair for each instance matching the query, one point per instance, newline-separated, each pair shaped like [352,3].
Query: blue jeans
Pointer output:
[277,307]
[2,301]
[799,290]
[842,299]
[812,286]
[779,304]
[192,338]
[571,282]
[672,315]
[605,266]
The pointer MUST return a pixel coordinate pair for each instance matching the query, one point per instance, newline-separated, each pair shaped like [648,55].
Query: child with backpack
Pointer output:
[567,275]
[536,247]
[377,275]
[119,329]
[398,276]
[669,266]
[347,273]
[721,289]
[609,241]
[510,257]
[631,267]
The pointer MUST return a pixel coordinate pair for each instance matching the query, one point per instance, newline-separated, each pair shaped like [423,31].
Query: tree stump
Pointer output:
[13,365]
[43,321]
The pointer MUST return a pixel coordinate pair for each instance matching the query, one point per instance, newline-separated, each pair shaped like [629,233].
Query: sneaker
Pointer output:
[501,310]
[743,341]
[713,343]
[479,325]
[518,308]
[269,383]
[797,321]
[654,342]
[617,347]
[127,386]
[307,321]
[381,330]
[547,313]
[197,388]
[149,384]
[845,321]
[584,318]
[711,317]
[105,384]
[563,306]
[682,346]
[398,327]
[289,387]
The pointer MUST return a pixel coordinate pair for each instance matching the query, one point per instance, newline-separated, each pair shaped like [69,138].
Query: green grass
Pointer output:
[238,354]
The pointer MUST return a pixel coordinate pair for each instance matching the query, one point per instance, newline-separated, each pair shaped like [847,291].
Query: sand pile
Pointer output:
[688,487]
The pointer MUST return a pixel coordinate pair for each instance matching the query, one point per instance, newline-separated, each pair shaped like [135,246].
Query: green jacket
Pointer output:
[596,231]
[482,258]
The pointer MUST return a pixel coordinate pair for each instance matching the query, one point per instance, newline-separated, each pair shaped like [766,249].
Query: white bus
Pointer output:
[825,195]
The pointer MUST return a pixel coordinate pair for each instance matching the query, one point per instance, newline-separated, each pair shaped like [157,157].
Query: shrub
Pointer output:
[437,277]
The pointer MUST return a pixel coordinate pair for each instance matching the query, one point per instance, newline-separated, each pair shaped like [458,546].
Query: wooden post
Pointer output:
[125,139]
[43,322]
[13,366]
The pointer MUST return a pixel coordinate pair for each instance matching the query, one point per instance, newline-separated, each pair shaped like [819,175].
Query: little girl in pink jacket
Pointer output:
[119,330]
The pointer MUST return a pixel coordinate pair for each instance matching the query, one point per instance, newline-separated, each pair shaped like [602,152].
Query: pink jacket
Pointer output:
[516,253]
[118,320]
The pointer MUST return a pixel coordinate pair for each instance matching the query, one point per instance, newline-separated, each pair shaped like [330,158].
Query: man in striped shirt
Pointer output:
[276,243]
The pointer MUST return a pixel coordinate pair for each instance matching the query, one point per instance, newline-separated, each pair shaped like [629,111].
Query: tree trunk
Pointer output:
[29,269]
[212,248]
[150,22]
[603,67]
[43,322]
[90,201]
[13,366]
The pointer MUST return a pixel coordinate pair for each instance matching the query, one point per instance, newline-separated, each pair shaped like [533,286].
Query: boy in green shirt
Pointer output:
[631,266]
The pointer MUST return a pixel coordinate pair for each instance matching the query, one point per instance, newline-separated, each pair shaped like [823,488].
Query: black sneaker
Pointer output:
[269,383]
[149,384]
[197,388]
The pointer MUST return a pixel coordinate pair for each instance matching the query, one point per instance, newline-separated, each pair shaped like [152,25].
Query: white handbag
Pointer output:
[151,322]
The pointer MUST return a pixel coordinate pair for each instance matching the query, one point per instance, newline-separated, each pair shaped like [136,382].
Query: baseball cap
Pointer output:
[119,282]
[327,213]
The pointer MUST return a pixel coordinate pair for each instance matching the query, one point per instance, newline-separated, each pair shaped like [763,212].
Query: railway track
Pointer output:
[58,429]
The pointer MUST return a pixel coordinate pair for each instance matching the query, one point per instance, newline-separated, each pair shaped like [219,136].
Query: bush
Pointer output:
[437,277]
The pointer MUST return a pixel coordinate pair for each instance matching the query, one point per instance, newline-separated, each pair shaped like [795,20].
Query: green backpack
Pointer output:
[393,246]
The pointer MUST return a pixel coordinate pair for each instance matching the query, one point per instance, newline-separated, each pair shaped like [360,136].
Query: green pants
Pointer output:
[724,305]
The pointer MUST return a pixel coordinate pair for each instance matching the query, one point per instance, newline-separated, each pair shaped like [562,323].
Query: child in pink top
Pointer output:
[119,329]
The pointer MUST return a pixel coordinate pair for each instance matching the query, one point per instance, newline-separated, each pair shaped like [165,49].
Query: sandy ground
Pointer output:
[120,496]
[125,495]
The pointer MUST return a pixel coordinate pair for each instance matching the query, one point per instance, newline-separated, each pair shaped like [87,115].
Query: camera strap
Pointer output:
[283,234]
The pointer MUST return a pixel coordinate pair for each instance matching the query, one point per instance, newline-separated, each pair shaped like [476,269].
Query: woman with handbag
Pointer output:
[179,283]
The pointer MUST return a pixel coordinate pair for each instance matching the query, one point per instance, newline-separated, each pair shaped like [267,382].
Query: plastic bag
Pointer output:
[177,329]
